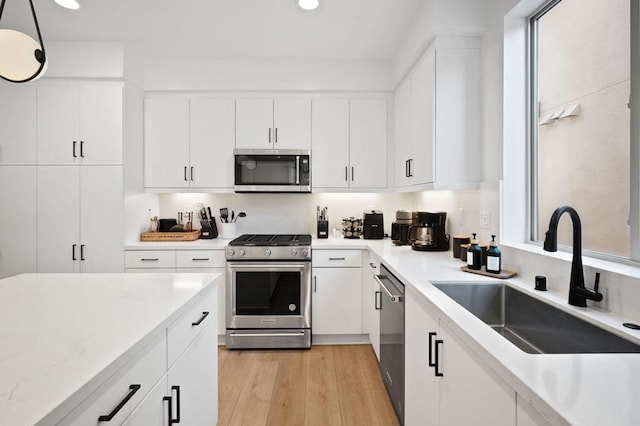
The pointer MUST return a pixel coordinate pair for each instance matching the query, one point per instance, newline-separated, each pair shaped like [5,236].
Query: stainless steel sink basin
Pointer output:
[533,326]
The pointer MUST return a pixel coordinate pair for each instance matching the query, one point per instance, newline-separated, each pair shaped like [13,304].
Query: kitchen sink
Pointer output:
[532,325]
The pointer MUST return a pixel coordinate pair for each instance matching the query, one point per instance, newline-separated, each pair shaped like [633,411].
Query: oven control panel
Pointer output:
[272,253]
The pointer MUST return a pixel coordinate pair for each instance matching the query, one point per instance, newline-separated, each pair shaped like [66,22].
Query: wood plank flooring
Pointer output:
[323,386]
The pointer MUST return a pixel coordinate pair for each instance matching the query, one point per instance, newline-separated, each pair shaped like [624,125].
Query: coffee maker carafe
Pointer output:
[427,233]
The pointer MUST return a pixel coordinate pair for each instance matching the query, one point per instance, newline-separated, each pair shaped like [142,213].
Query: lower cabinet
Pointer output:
[199,261]
[371,303]
[445,384]
[336,297]
[151,389]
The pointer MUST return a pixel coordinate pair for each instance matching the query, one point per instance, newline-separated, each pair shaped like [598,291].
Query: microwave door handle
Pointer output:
[297,170]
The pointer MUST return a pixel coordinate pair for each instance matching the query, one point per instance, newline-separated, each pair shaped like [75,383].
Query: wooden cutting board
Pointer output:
[504,274]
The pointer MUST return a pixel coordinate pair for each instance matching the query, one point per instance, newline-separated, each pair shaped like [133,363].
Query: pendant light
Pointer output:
[22,59]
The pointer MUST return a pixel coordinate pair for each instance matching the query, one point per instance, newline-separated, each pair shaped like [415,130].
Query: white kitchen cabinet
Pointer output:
[80,218]
[371,302]
[153,410]
[80,124]
[336,297]
[189,143]
[368,143]
[268,123]
[437,118]
[18,125]
[444,383]
[18,248]
[349,143]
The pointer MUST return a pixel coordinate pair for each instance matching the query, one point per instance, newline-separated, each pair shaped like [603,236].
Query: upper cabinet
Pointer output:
[188,143]
[80,124]
[438,126]
[273,123]
[349,144]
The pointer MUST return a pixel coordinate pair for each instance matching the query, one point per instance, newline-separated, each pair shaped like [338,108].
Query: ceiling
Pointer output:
[231,29]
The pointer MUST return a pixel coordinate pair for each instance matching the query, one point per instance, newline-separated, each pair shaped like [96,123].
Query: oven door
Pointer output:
[268,295]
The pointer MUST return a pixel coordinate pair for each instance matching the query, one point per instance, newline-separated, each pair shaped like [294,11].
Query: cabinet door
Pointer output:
[254,123]
[153,410]
[422,120]
[18,125]
[17,220]
[196,375]
[467,383]
[58,218]
[330,143]
[166,143]
[212,139]
[101,128]
[221,286]
[292,123]
[402,133]
[368,143]
[421,384]
[58,125]
[337,301]
[102,219]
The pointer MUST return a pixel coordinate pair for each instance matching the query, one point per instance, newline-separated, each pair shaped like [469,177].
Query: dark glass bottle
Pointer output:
[474,255]
[494,257]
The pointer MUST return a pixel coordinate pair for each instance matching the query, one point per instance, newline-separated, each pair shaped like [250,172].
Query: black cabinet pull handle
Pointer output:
[132,390]
[82,149]
[378,298]
[337,258]
[74,149]
[346,173]
[315,284]
[269,134]
[200,259]
[73,252]
[185,173]
[410,172]
[170,404]
[352,174]
[81,251]
[149,260]
[204,315]
[437,366]
[406,168]
[177,419]
[191,173]
[276,132]
[431,362]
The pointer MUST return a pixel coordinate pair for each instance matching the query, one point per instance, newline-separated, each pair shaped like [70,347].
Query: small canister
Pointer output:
[457,241]
[463,252]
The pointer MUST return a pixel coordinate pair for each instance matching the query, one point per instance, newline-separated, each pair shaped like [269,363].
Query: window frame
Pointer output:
[533,112]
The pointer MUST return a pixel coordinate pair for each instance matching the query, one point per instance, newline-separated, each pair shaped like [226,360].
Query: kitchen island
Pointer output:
[72,346]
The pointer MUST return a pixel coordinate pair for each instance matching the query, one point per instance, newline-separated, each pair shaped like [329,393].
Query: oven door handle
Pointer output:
[278,267]
[301,333]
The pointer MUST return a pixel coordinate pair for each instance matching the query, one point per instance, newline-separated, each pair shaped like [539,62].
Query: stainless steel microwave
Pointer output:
[272,170]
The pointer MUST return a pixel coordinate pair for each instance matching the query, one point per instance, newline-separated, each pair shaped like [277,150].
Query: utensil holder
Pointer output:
[228,231]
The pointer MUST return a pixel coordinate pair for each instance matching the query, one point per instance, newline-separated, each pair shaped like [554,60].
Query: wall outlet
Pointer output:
[485,219]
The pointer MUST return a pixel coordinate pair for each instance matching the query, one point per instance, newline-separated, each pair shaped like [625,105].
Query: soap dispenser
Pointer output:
[474,255]
[494,257]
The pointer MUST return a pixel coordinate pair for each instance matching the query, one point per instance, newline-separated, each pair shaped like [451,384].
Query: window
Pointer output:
[581,121]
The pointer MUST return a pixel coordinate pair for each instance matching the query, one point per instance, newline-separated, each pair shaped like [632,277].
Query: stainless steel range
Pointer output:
[269,292]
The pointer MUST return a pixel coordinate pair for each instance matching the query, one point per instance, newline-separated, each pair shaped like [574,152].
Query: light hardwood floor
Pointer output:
[325,385]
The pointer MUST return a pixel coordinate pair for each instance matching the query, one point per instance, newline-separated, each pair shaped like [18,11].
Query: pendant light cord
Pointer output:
[43,57]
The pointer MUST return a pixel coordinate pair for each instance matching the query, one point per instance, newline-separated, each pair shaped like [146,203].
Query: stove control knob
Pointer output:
[241,252]
[231,251]
[305,252]
[294,252]
[267,252]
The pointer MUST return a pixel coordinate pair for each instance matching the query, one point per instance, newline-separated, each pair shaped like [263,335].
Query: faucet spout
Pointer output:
[578,293]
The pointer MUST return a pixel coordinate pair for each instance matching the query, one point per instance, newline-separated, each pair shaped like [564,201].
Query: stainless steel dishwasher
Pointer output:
[392,338]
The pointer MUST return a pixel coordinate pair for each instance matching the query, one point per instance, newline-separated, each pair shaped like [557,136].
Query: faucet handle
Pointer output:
[597,284]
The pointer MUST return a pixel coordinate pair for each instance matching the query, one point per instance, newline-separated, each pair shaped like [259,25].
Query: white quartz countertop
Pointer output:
[61,335]
[212,244]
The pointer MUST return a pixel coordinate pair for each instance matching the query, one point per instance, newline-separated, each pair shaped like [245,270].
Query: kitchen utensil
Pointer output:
[209,215]
[241,214]
[224,215]
[233,216]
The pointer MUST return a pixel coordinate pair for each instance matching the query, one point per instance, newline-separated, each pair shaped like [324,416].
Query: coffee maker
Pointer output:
[400,228]
[427,232]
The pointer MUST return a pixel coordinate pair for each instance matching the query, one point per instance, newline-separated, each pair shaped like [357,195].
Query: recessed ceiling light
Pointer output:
[306,4]
[69,4]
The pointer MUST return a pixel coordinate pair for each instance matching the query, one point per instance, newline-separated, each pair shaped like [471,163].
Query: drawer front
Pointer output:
[183,330]
[336,258]
[144,371]
[200,259]
[150,259]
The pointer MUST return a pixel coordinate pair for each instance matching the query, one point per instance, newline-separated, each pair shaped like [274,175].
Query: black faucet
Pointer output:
[578,293]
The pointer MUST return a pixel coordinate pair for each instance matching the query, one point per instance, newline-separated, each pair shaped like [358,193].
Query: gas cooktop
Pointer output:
[271,240]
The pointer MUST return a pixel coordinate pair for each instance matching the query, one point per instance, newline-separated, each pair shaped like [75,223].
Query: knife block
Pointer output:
[323,229]
[209,229]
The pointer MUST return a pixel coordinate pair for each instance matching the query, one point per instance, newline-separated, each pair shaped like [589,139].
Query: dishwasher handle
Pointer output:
[392,297]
